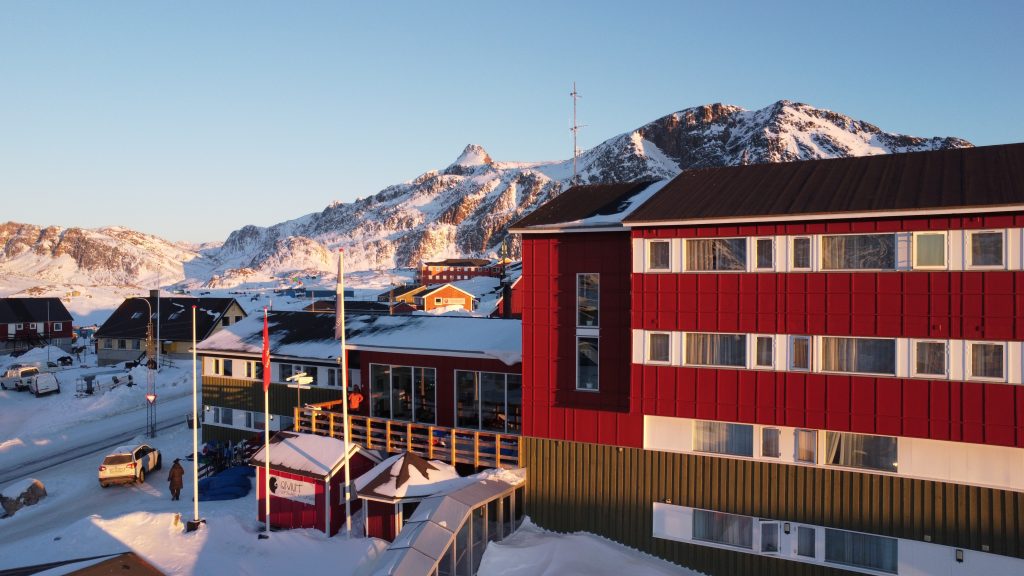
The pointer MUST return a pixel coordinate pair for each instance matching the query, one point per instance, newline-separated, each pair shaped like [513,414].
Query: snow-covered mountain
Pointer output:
[465,208]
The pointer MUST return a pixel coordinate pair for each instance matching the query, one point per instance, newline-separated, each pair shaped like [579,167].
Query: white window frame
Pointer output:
[753,249]
[685,344]
[810,353]
[796,446]
[56,327]
[969,255]
[760,446]
[945,250]
[821,358]
[648,243]
[648,337]
[576,304]
[913,357]
[576,361]
[811,257]
[820,261]
[752,352]
[969,356]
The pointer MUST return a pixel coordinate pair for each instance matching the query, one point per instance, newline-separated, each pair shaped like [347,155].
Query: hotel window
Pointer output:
[658,347]
[861,451]
[858,355]
[765,253]
[802,253]
[406,393]
[929,358]
[800,353]
[805,446]
[770,447]
[866,551]
[986,249]
[764,352]
[710,254]
[987,360]
[930,250]
[489,401]
[587,363]
[588,288]
[723,438]
[659,255]
[770,537]
[805,545]
[722,528]
[858,252]
[716,349]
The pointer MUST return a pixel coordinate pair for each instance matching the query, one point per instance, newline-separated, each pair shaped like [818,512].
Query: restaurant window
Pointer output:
[802,253]
[986,249]
[722,528]
[859,550]
[716,349]
[858,252]
[587,363]
[930,250]
[858,355]
[800,353]
[987,360]
[723,438]
[658,347]
[929,358]
[711,254]
[659,255]
[489,401]
[765,253]
[588,299]
[865,451]
[406,393]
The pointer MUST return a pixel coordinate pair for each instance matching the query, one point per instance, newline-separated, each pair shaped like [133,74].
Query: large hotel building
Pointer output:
[802,368]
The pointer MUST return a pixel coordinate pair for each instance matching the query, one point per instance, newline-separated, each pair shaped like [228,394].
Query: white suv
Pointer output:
[129,464]
[18,377]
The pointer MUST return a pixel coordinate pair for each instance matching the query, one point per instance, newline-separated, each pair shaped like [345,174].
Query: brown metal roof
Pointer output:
[580,202]
[988,176]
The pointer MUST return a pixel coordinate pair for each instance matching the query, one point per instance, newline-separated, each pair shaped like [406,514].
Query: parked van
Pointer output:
[17,378]
[44,383]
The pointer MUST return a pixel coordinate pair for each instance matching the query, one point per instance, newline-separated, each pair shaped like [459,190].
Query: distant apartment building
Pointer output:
[454,269]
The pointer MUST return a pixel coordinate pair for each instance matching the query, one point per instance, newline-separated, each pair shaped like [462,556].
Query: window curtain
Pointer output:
[987,360]
[861,451]
[801,253]
[806,446]
[724,438]
[987,248]
[659,255]
[716,254]
[659,347]
[931,249]
[864,355]
[859,252]
[716,349]
[723,528]
[861,550]
[931,358]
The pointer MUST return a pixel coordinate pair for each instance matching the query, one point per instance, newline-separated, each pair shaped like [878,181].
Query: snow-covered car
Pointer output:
[17,378]
[129,465]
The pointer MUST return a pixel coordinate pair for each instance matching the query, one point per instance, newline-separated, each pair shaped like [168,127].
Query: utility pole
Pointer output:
[574,129]
[150,371]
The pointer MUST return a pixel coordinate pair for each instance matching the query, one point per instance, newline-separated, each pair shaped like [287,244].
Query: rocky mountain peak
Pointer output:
[473,156]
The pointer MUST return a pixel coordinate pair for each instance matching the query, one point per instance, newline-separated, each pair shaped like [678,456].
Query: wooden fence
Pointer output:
[453,445]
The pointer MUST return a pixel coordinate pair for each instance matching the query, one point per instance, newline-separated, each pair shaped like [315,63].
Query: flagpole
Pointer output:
[340,297]
[266,426]
[195,429]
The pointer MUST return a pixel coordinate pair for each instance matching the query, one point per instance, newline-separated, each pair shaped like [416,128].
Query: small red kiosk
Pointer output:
[306,480]
[394,488]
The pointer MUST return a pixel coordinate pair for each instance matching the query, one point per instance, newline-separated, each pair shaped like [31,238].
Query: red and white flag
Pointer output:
[266,353]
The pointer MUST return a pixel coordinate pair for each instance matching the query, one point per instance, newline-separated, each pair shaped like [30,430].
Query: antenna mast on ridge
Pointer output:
[574,129]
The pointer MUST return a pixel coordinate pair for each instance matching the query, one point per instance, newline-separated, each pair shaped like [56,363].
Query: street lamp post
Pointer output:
[150,372]
[300,381]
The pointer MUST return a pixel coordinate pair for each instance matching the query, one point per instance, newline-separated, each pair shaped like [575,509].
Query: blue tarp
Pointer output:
[229,484]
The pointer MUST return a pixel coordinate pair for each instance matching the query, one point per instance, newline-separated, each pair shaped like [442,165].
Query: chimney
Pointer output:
[506,299]
[154,294]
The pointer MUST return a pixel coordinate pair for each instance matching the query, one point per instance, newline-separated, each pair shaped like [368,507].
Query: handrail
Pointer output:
[480,448]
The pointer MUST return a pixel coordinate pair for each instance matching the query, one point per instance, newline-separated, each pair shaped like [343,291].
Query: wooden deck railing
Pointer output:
[452,445]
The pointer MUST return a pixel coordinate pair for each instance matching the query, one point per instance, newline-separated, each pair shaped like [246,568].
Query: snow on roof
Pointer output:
[405,475]
[317,455]
[311,335]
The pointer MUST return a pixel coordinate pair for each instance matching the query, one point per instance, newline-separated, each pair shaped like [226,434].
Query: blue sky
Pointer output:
[192,119]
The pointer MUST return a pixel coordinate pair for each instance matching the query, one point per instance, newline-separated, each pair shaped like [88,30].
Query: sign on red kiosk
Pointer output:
[151,398]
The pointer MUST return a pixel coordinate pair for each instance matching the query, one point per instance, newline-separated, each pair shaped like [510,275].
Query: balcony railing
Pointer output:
[452,445]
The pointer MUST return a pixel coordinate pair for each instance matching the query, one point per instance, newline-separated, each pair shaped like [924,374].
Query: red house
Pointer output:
[307,481]
[810,366]
[31,322]
[454,269]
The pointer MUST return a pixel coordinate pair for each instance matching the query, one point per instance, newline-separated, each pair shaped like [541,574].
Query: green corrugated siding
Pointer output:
[610,490]
[248,395]
[212,432]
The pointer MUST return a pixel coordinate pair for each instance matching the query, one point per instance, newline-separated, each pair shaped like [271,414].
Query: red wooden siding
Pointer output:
[552,406]
[285,513]
[445,375]
[380,520]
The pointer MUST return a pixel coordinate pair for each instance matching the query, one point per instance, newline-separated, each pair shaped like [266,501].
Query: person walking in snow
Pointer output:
[175,477]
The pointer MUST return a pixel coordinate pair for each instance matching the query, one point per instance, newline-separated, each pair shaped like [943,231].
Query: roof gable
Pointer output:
[132,316]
